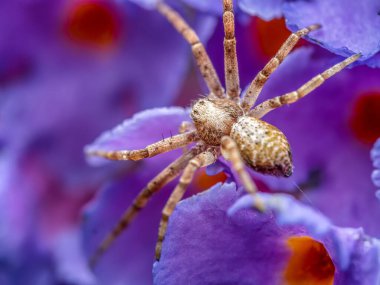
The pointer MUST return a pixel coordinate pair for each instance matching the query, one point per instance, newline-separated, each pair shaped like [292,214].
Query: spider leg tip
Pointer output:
[314,27]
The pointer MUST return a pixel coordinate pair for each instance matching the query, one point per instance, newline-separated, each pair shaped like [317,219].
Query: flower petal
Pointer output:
[329,160]
[356,255]
[347,28]
[142,129]
[265,9]
[209,6]
[206,246]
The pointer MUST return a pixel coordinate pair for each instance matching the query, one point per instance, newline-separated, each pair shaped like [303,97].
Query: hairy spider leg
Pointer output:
[276,102]
[261,78]
[231,69]
[151,150]
[185,126]
[164,177]
[230,151]
[203,159]
[201,57]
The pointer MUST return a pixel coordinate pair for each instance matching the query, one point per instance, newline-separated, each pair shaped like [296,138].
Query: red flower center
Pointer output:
[93,23]
[202,181]
[270,35]
[309,263]
[365,117]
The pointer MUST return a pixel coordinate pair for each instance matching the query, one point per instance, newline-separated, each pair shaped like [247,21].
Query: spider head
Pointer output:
[213,118]
[263,146]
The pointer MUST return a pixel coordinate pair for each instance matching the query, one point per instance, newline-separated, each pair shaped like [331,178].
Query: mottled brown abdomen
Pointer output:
[263,146]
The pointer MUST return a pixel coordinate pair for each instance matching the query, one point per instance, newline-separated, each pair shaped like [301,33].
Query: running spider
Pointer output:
[222,123]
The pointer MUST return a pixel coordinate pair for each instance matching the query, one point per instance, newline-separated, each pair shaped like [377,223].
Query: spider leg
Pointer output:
[164,177]
[261,78]
[201,57]
[276,102]
[185,126]
[151,150]
[203,159]
[231,70]
[231,152]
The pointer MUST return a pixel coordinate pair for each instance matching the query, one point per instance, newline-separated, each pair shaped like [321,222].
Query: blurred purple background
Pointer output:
[72,69]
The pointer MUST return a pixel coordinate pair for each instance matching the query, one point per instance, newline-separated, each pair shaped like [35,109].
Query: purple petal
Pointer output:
[72,265]
[347,27]
[147,4]
[142,129]
[375,152]
[206,246]
[265,9]
[209,6]
[287,210]
[215,168]
[356,255]
[329,160]
[376,177]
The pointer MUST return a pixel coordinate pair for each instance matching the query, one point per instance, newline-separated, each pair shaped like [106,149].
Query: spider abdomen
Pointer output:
[263,146]
[214,118]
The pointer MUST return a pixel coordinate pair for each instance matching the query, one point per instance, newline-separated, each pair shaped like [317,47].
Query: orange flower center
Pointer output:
[202,181]
[270,35]
[365,117]
[309,263]
[93,23]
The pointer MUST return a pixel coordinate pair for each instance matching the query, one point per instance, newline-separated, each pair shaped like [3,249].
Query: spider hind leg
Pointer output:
[203,159]
[231,152]
[164,177]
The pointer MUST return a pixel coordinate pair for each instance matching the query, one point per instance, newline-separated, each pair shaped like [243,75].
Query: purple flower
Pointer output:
[349,27]
[71,69]
[265,9]
[375,156]
[329,132]
[204,244]
[356,256]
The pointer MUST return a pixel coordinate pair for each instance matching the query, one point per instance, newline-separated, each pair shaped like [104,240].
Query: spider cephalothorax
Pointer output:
[222,123]
[214,117]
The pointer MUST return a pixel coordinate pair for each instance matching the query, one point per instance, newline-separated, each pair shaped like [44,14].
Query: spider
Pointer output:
[223,123]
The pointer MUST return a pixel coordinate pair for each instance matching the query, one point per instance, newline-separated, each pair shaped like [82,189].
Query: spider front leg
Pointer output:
[231,70]
[164,177]
[276,102]
[261,78]
[185,126]
[151,150]
[230,151]
[203,159]
[203,61]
